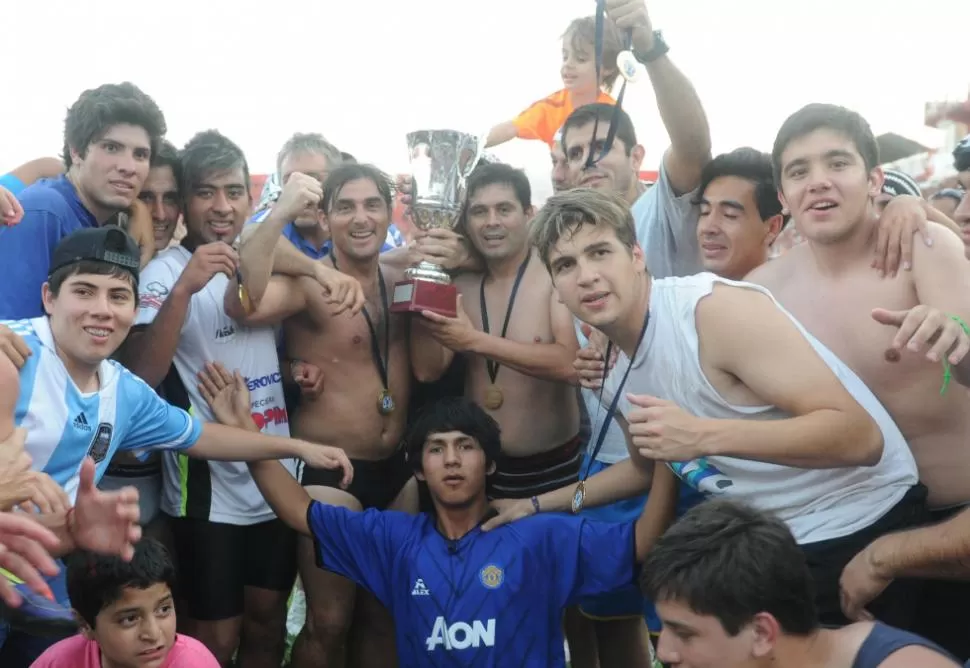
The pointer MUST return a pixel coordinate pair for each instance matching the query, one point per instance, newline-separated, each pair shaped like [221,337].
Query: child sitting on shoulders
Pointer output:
[545,118]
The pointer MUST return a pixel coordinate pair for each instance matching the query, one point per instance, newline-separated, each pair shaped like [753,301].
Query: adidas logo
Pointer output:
[225,332]
[420,589]
[81,422]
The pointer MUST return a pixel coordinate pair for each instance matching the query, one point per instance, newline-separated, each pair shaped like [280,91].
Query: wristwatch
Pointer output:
[659,49]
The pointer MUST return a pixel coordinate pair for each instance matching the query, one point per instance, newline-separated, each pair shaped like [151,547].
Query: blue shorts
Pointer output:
[627,602]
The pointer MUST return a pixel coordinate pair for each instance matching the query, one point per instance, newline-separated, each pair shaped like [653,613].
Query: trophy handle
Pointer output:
[479,152]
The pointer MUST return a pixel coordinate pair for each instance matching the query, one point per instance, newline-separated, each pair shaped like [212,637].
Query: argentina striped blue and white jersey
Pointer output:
[65,425]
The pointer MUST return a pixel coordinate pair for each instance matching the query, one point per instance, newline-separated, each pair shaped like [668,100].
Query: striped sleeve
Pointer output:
[151,422]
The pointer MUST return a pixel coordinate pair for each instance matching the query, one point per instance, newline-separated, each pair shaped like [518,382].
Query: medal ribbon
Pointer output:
[611,411]
[592,158]
[492,365]
[375,346]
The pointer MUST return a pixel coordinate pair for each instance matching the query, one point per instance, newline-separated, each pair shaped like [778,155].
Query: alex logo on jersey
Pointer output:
[420,589]
[461,635]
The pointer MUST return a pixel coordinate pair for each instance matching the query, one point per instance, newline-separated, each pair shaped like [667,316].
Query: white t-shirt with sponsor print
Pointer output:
[215,491]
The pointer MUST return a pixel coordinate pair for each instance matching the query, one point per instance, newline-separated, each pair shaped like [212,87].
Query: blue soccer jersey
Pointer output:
[52,210]
[489,599]
[65,425]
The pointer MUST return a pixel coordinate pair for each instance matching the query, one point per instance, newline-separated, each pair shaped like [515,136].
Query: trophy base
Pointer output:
[417,294]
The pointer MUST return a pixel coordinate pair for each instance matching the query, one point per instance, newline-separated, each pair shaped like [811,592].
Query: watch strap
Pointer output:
[659,49]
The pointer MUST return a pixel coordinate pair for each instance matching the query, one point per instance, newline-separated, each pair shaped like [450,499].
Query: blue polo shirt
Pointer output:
[52,210]
[486,600]
[295,238]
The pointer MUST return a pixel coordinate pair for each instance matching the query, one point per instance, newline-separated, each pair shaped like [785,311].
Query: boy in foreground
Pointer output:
[126,613]
[733,590]
[459,596]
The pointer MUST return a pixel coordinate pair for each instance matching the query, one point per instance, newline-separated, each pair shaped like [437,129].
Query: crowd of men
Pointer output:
[649,429]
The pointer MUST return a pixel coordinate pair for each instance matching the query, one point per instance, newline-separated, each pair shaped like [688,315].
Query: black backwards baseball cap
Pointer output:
[110,245]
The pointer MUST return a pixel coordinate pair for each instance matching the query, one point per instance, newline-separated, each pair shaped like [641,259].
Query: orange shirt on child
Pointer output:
[545,118]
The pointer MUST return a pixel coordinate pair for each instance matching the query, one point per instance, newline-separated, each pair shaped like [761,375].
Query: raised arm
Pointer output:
[282,297]
[680,107]
[504,132]
[262,242]
[744,335]
[283,493]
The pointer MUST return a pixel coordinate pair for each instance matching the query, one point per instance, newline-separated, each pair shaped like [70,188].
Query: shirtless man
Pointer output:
[894,331]
[364,404]
[520,336]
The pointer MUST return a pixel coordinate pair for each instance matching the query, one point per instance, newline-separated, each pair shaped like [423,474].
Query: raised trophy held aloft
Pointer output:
[441,161]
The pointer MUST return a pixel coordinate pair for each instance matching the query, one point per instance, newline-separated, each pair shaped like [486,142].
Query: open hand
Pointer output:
[227,395]
[104,522]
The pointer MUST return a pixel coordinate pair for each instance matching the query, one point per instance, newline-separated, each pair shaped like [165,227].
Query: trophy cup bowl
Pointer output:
[441,161]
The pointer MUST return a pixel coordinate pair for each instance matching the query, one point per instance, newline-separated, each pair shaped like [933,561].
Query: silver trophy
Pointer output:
[441,161]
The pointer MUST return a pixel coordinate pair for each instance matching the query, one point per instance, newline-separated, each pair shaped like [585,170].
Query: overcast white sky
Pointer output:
[365,72]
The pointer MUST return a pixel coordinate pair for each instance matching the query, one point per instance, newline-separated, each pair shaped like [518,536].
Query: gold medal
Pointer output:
[493,398]
[385,402]
[579,497]
[244,299]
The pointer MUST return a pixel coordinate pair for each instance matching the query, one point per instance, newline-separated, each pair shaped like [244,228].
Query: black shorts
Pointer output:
[941,613]
[218,561]
[525,477]
[828,558]
[376,482]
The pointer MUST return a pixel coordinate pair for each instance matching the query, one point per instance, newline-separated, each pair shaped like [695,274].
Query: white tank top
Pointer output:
[816,504]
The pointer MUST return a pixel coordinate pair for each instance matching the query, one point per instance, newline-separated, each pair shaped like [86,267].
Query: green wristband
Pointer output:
[947,372]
